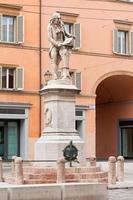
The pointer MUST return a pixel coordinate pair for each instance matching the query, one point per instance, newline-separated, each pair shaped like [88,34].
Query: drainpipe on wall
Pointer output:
[40,52]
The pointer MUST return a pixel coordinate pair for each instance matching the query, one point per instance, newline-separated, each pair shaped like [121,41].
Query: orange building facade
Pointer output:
[101,65]
[19,78]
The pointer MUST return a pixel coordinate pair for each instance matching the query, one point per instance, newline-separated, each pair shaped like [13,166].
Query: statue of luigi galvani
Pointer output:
[61,44]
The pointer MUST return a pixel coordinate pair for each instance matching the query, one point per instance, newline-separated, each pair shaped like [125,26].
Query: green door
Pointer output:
[1,140]
[9,138]
[13,139]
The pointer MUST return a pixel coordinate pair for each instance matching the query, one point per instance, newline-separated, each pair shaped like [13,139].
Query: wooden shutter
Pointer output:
[78,80]
[77,33]
[0,27]
[115,41]
[19,78]
[20,29]
[131,44]
[0,77]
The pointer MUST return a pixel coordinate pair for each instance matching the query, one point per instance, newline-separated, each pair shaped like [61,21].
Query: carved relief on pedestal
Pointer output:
[48,117]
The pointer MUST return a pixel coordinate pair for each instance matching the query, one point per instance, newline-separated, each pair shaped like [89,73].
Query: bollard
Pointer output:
[92,161]
[13,165]
[112,170]
[61,170]
[1,170]
[18,170]
[120,168]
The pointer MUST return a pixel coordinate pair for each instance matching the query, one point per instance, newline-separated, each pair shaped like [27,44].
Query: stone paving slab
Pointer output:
[120,194]
[121,185]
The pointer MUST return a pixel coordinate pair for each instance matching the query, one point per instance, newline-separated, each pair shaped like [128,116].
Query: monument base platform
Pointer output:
[50,147]
[38,175]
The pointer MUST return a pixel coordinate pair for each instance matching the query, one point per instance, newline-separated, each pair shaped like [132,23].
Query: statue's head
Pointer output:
[56,15]
[56,18]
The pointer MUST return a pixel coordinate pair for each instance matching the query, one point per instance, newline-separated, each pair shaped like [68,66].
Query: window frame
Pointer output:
[7,78]
[18,33]
[16,82]
[128,42]
[73,75]
[71,26]
[7,31]
[124,50]
[82,119]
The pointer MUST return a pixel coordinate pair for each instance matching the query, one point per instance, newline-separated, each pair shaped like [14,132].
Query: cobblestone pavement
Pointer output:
[120,194]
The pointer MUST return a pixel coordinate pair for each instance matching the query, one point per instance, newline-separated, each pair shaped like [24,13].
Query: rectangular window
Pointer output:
[11,78]
[11,29]
[8,78]
[122,42]
[74,29]
[76,79]
[69,28]
[8,28]
[80,122]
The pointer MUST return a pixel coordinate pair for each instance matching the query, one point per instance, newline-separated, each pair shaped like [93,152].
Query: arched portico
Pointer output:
[114,114]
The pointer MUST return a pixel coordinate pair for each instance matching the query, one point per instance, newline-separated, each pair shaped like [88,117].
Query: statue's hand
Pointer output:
[59,44]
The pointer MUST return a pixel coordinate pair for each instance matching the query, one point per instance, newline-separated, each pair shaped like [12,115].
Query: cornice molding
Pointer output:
[125,22]
[68,14]
[11,6]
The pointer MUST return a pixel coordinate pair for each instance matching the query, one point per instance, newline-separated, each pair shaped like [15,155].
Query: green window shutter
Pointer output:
[19,78]
[20,29]
[77,33]
[0,27]
[115,41]
[131,44]
[0,77]
[78,80]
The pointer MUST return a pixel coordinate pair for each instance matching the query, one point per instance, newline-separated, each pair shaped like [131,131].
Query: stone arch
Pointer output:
[109,74]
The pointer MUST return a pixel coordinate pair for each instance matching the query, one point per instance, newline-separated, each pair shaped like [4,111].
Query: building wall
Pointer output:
[24,55]
[95,59]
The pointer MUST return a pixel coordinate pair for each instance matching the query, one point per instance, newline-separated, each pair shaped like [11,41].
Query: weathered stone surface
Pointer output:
[40,192]
[120,168]
[112,170]
[62,191]
[84,191]
[61,170]
[72,174]
[3,194]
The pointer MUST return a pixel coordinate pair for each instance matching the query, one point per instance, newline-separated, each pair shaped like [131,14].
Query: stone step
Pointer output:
[78,176]
[82,169]
[36,170]
[34,174]
[42,176]
[9,179]
[42,181]
[39,181]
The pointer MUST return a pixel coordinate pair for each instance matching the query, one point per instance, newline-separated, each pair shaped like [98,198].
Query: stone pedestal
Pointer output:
[59,122]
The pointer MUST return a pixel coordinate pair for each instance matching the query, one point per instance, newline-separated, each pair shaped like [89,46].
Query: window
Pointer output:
[122,42]
[69,28]
[80,122]
[74,29]
[76,79]
[11,29]
[11,78]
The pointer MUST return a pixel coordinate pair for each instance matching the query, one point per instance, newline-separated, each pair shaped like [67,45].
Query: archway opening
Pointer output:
[114,117]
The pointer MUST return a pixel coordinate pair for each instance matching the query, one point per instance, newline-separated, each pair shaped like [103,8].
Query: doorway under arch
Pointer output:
[114,117]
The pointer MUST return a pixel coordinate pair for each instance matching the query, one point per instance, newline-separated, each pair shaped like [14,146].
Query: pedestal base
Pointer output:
[50,147]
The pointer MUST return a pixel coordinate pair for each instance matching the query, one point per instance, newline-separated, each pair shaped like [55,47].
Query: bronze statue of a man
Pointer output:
[61,44]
